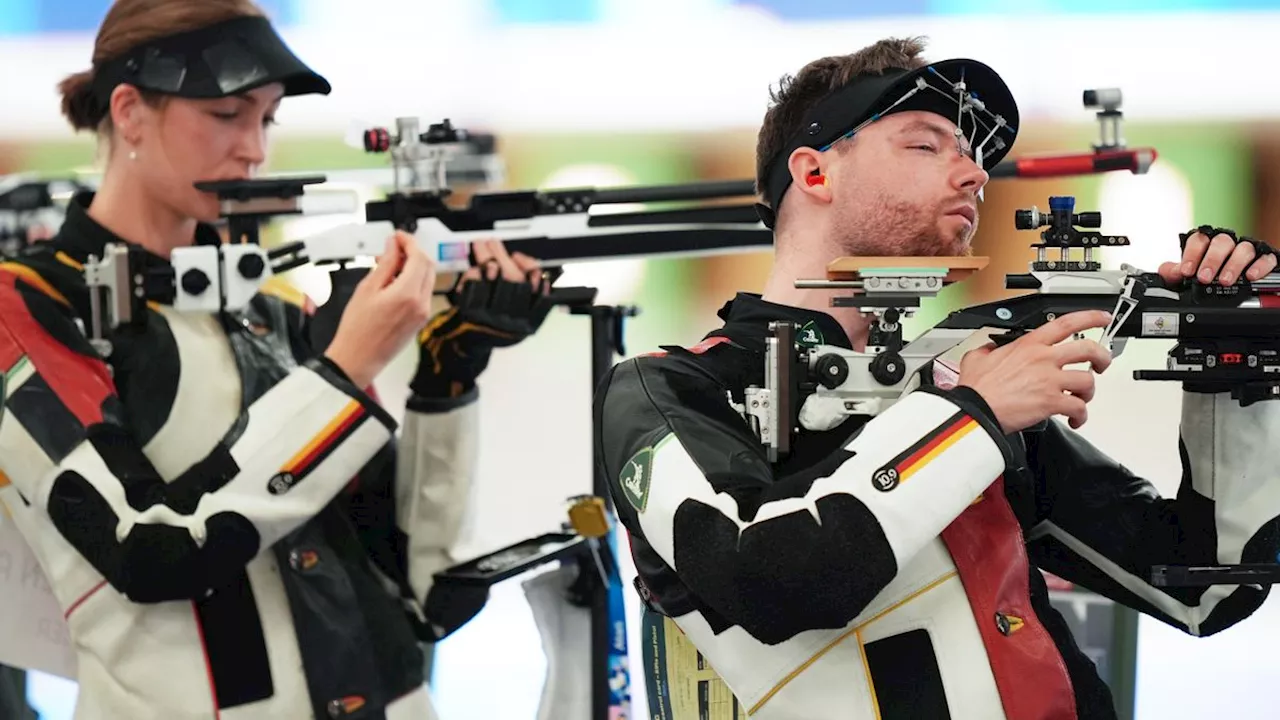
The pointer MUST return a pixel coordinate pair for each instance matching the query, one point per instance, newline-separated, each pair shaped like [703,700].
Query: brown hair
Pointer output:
[130,23]
[799,93]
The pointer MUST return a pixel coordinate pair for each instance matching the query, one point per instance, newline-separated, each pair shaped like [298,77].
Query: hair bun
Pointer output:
[79,104]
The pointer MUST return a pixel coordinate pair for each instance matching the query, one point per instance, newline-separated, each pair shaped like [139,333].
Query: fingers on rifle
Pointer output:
[977,353]
[384,269]
[1193,253]
[510,270]
[1074,409]
[1171,272]
[1082,351]
[1219,250]
[482,253]
[1262,266]
[1079,383]
[525,263]
[415,273]
[1064,326]
[1239,259]
[1269,264]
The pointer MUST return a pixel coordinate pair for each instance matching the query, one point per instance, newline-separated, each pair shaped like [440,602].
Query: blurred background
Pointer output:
[622,92]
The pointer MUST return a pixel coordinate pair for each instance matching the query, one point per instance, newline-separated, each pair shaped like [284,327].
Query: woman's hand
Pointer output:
[387,309]
[498,302]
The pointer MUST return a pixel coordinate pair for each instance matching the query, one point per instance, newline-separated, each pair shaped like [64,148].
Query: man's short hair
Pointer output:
[797,94]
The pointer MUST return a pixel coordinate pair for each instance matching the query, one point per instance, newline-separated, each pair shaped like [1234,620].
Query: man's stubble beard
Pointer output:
[899,228]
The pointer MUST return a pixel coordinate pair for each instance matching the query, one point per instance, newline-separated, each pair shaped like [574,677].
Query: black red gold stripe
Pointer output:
[338,429]
[932,445]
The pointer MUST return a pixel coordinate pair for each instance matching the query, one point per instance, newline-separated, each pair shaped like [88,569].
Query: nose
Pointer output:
[253,147]
[968,175]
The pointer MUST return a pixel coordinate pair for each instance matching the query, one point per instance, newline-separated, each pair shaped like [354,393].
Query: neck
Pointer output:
[790,266]
[120,206]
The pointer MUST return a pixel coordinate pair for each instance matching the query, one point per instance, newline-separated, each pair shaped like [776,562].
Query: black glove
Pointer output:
[486,314]
[1261,248]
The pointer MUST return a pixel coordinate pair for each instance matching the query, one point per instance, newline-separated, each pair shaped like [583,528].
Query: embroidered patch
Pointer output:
[810,335]
[281,483]
[886,479]
[635,477]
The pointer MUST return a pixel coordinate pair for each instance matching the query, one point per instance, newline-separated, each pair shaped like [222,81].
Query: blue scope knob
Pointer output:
[1062,203]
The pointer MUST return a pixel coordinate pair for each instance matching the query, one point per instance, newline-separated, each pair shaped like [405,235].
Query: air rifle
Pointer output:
[558,227]
[585,224]
[1227,338]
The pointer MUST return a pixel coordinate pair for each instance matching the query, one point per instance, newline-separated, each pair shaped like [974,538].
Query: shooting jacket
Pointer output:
[891,568]
[232,528]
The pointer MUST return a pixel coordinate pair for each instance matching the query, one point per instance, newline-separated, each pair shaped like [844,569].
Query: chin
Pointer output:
[954,244]
[206,209]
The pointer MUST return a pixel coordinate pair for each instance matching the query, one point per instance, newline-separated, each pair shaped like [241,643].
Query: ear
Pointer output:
[128,111]
[808,174]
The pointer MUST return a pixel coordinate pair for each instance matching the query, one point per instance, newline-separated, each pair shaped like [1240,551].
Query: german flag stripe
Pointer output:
[326,440]
[933,445]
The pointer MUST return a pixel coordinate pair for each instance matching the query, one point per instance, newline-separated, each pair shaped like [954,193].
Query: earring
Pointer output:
[133,154]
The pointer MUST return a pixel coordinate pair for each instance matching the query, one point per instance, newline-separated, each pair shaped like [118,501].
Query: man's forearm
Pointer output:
[781,556]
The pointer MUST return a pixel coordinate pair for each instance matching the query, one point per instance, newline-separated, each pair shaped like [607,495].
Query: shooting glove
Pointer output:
[485,314]
[1261,248]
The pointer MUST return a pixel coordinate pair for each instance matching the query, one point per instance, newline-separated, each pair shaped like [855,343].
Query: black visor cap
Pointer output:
[866,95]
[220,60]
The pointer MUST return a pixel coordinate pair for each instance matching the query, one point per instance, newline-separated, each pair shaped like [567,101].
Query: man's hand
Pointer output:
[1025,382]
[1209,253]
[499,302]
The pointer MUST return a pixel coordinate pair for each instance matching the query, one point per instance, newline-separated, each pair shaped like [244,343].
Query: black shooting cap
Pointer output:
[215,61]
[966,92]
